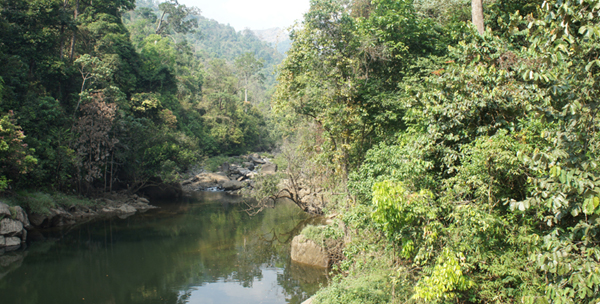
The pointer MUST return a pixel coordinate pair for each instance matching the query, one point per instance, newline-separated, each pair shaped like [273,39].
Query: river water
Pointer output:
[203,249]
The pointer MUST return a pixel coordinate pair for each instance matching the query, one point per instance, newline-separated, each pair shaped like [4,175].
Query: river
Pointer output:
[200,249]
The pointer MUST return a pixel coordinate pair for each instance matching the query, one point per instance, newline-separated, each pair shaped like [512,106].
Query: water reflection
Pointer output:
[204,249]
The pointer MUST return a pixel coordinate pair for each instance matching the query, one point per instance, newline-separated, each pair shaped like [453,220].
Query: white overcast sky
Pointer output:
[252,14]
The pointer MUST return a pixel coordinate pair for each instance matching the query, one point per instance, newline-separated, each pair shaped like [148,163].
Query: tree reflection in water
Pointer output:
[189,251]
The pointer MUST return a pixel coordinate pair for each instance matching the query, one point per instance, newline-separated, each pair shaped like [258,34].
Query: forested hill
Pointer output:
[212,40]
[276,37]
[104,95]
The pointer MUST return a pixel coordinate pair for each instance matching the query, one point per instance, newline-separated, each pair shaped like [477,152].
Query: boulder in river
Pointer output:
[10,227]
[12,241]
[205,180]
[233,185]
[126,209]
[255,158]
[308,252]
[21,216]
[309,301]
[248,165]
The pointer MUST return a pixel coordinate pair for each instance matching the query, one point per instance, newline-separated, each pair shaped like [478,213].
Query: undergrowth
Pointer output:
[40,202]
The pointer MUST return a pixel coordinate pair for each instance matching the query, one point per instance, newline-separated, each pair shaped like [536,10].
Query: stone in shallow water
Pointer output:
[127,209]
[10,226]
[309,301]
[21,216]
[12,241]
[233,185]
[306,251]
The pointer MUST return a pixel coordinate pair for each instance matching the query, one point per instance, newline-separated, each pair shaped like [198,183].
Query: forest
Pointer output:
[458,150]
[462,161]
[106,95]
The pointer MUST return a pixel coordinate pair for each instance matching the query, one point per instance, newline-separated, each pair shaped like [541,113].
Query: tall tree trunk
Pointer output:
[74,37]
[62,31]
[62,41]
[477,15]
[160,23]
[246,88]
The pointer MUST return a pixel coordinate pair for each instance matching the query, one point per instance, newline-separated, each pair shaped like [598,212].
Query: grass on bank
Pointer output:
[322,234]
[40,202]
[370,273]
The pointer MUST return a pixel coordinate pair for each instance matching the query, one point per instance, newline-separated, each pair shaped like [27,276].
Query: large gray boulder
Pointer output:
[255,158]
[249,165]
[233,185]
[10,227]
[306,251]
[244,171]
[21,216]
[269,169]
[309,301]
[37,219]
[126,209]
[12,241]
[4,210]
[205,181]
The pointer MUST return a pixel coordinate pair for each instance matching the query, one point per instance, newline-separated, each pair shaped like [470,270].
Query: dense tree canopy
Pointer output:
[462,163]
[105,94]
[474,155]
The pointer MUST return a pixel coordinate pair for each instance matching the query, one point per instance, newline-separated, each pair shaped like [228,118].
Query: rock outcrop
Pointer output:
[309,301]
[233,185]
[111,205]
[13,225]
[308,252]
[232,176]
[205,181]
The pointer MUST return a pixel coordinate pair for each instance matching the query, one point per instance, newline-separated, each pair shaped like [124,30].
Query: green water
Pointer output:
[203,249]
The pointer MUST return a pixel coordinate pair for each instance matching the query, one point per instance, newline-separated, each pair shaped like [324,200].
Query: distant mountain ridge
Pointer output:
[276,37]
[213,40]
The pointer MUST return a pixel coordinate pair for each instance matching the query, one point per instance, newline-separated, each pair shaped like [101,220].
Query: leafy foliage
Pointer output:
[113,97]
[14,153]
[480,164]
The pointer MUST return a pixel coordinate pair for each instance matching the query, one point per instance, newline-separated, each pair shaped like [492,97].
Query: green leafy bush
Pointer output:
[40,202]
[323,234]
[15,156]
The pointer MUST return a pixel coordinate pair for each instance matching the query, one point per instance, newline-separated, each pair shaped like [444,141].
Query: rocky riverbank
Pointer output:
[231,177]
[15,222]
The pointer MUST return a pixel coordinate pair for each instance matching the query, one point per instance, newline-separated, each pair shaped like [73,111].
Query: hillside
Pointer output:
[213,40]
[276,37]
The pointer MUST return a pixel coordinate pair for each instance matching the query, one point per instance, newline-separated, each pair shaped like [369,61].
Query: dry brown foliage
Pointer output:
[94,144]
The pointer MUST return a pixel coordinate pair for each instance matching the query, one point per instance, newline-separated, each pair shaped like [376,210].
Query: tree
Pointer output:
[15,158]
[176,18]
[343,72]
[90,68]
[477,15]
[95,145]
[248,65]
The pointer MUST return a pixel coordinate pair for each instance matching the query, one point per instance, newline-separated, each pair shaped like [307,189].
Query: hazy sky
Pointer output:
[252,14]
